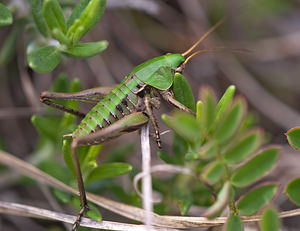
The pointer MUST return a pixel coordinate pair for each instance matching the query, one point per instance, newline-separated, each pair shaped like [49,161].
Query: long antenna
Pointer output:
[203,37]
[214,49]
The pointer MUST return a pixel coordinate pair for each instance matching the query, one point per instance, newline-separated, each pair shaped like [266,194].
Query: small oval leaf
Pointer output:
[234,223]
[36,8]
[183,92]
[293,191]
[46,126]
[67,155]
[5,16]
[94,213]
[191,156]
[86,50]
[91,155]
[208,151]
[180,148]
[293,136]
[56,170]
[244,147]
[84,17]
[256,199]
[45,59]
[54,16]
[213,172]
[62,196]
[224,102]
[199,110]
[185,205]
[231,122]
[185,125]
[108,171]
[255,168]
[208,111]
[76,12]
[221,201]
[184,198]
[270,220]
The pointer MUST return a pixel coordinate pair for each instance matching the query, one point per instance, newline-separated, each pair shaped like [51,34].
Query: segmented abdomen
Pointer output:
[120,102]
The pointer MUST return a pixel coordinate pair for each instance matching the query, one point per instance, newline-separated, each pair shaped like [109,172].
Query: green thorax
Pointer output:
[146,72]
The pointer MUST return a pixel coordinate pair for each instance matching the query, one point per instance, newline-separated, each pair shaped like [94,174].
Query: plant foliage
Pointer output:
[51,23]
[214,142]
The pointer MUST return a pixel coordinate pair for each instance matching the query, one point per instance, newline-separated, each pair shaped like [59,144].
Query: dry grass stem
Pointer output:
[131,212]
[29,211]
[146,169]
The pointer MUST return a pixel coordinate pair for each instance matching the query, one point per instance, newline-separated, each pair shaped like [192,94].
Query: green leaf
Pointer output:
[61,37]
[56,170]
[213,172]
[185,125]
[67,155]
[250,121]
[270,220]
[293,136]
[208,98]
[94,213]
[256,199]
[293,191]
[184,206]
[224,102]
[245,146]
[183,92]
[183,197]
[199,110]
[44,59]
[108,171]
[54,16]
[61,84]
[191,156]
[46,126]
[39,19]
[86,50]
[208,151]
[234,223]
[90,158]
[231,122]
[77,12]
[221,201]
[255,168]
[5,16]
[62,196]
[180,148]
[89,16]
[81,153]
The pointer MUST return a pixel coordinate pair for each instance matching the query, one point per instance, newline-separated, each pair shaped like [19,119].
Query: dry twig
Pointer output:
[177,222]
